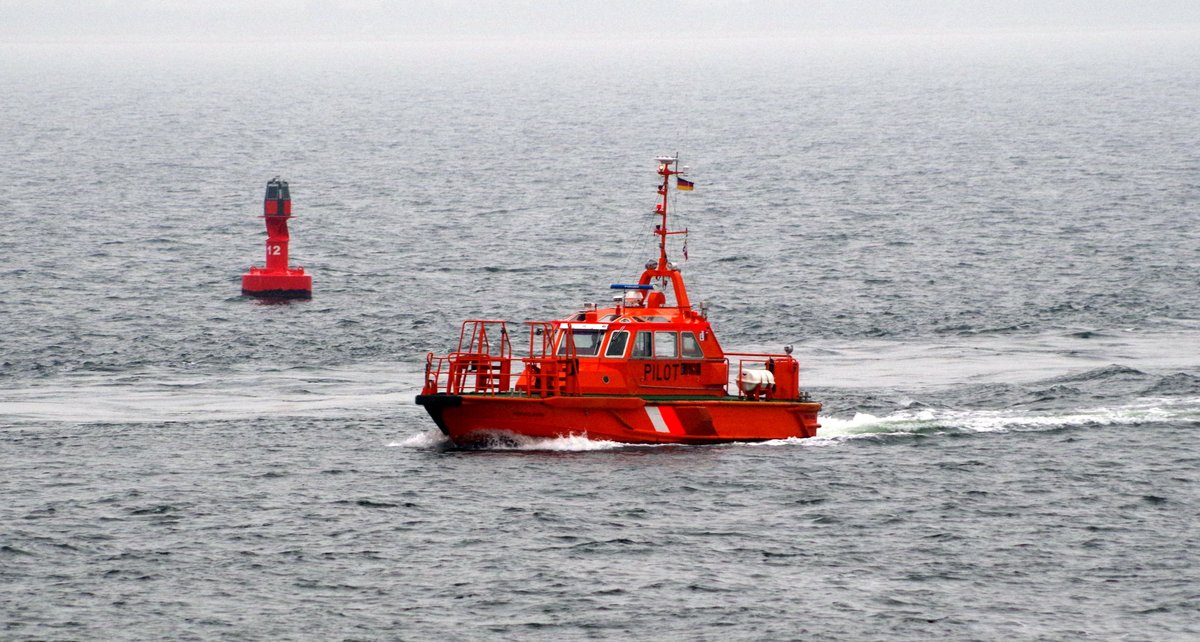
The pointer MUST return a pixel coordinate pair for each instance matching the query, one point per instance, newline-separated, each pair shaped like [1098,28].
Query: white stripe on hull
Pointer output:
[656,419]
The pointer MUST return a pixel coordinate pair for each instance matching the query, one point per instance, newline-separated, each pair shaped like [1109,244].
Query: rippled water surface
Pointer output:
[983,251]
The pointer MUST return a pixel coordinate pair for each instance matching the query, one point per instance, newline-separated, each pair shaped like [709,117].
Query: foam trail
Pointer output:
[238,393]
[934,421]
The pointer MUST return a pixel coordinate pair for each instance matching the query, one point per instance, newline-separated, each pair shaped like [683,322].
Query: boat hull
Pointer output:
[479,420]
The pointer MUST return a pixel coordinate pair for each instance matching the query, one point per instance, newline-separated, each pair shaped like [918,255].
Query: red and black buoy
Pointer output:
[277,280]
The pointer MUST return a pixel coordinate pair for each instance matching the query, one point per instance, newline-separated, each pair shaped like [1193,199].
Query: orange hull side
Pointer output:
[480,419]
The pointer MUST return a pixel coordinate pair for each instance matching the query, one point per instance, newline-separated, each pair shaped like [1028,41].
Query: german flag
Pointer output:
[682,184]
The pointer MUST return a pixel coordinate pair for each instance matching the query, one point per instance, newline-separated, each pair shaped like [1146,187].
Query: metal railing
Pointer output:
[484,364]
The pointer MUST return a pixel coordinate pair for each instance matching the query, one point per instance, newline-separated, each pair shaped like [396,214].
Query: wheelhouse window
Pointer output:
[690,347]
[587,342]
[666,344]
[616,344]
[643,346]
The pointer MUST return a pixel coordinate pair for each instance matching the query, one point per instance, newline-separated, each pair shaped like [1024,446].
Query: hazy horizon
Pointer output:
[50,21]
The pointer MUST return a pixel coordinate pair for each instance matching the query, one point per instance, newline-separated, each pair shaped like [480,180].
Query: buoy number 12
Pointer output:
[274,250]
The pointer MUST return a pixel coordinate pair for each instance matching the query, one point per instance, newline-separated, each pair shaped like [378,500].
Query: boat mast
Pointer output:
[664,269]
[664,170]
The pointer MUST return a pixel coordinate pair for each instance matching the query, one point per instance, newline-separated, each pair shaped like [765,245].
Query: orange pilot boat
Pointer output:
[644,371]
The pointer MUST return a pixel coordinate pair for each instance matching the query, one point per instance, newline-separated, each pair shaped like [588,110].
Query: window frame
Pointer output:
[570,334]
[608,344]
[633,353]
[673,336]
[683,352]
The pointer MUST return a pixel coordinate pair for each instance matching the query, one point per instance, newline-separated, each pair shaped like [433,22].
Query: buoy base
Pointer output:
[292,284]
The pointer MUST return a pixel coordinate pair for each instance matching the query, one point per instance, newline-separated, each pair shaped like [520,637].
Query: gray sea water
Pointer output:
[983,249]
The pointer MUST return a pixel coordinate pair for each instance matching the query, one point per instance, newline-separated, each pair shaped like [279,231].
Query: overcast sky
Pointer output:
[238,20]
